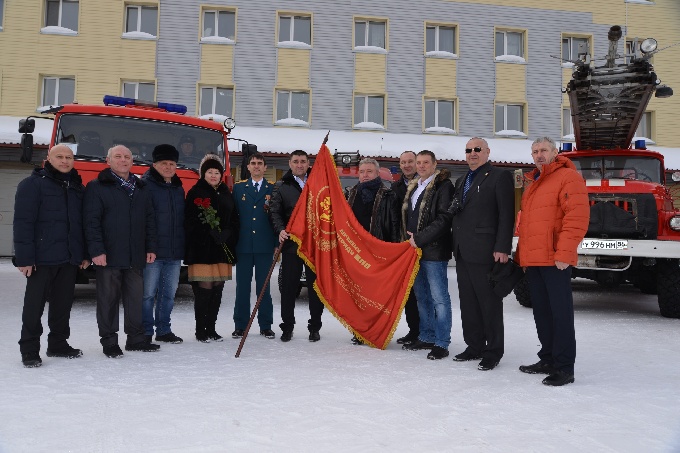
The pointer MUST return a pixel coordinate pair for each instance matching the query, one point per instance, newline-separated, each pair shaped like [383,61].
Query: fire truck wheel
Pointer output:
[668,284]
[522,292]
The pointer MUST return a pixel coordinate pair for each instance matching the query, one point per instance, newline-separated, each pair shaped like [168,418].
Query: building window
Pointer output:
[439,116]
[295,29]
[567,123]
[62,13]
[142,19]
[144,91]
[292,107]
[58,90]
[574,48]
[369,33]
[509,119]
[216,101]
[644,129]
[369,112]
[219,24]
[439,38]
[509,45]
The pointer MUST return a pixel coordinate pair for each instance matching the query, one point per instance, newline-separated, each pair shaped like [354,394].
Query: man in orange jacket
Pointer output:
[555,216]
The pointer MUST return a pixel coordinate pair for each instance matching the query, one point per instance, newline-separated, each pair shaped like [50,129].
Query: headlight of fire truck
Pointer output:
[675,223]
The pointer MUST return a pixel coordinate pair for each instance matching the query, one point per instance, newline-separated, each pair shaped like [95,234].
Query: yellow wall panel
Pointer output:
[292,69]
[369,73]
[217,64]
[440,77]
[97,57]
[511,82]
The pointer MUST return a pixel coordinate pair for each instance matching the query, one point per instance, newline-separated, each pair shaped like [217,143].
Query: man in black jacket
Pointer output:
[161,277]
[120,230]
[284,198]
[374,205]
[407,163]
[426,223]
[483,212]
[49,247]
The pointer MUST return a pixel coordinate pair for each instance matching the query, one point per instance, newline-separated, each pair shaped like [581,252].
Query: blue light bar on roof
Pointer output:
[122,102]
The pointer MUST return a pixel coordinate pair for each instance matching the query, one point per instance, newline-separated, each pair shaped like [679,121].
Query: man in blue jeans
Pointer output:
[162,276]
[426,223]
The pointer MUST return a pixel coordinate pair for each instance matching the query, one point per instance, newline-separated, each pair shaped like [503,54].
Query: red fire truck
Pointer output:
[634,231]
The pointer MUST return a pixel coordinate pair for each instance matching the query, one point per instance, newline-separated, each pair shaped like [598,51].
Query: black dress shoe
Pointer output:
[356,341]
[438,353]
[169,338]
[487,364]
[559,378]
[238,333]
[67,352]
[113,351]
[466,356]
[417,346]
[142,346]
[268,333]
[287,335]
[314,336]
[539,367]
[408,339]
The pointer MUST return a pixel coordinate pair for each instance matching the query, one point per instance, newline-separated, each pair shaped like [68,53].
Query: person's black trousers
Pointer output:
[112,285]
[412,315]
[292,270]
[553,305]
[57,283]
[481,310]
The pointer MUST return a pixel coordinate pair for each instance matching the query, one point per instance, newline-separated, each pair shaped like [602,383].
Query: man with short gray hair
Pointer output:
[374,205]
[554,220]
[120,232]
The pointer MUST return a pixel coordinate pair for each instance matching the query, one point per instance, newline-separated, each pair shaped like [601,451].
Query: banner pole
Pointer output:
[277,252]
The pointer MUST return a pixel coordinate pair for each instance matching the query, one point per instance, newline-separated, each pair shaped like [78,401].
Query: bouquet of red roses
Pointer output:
[208,215]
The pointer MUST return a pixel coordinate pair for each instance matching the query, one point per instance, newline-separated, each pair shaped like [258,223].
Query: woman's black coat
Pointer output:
[202,246]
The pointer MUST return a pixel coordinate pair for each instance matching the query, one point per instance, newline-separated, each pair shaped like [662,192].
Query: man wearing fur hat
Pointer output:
[162,276]
[426,223]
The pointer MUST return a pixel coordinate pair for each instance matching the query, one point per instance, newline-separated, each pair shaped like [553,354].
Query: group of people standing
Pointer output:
[138,230]
[473,221]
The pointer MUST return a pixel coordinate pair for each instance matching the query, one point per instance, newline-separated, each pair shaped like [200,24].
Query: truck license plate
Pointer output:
[604,244]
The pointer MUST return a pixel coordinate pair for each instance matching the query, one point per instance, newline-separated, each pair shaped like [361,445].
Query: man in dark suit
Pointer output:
[407,163]
[255,247]
[483,217]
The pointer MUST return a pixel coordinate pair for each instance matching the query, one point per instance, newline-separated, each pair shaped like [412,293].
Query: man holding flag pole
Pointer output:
[347,259]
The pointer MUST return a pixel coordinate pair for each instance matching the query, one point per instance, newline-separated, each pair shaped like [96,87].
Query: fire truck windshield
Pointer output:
[619,167]
[93,135]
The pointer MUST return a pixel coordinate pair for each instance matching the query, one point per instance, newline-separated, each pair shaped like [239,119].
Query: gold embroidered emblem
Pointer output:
[320,220]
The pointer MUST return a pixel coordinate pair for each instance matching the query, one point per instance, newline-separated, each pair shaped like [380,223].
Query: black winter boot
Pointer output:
[213,311]
[201,303]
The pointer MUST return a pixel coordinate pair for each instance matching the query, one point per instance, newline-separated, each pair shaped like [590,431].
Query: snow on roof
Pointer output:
[283,140]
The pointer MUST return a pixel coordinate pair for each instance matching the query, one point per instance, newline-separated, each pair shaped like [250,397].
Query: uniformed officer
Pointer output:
[255,247]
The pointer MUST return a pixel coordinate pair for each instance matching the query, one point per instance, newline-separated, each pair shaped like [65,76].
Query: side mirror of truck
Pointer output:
[26,148]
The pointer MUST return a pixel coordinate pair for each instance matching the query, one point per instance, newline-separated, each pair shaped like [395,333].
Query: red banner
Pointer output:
[362,280]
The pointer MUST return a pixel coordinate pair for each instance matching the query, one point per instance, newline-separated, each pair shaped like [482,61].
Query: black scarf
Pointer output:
[369,189]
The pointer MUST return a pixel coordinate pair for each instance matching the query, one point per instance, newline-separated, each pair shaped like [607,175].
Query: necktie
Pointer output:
[257,187]
[468,183]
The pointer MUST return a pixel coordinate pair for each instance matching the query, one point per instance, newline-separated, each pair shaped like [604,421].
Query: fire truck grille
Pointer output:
[631,216]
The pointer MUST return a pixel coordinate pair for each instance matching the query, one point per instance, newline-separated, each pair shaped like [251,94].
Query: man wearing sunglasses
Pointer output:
[483,217]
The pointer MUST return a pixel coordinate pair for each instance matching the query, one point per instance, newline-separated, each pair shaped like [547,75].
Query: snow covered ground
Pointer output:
[334,396]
